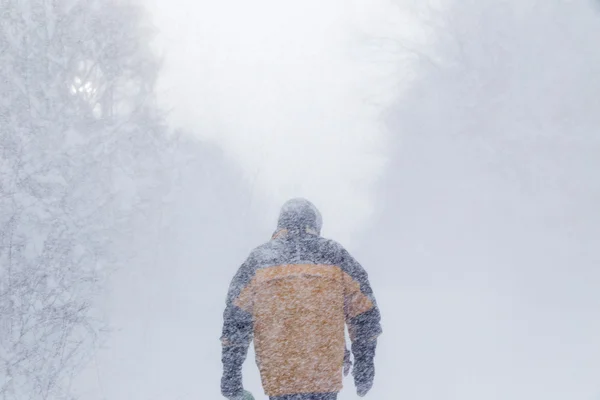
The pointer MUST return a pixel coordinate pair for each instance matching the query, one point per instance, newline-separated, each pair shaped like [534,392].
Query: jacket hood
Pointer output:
[298,216]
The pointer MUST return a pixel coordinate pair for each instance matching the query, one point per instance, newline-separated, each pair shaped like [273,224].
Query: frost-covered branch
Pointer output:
[78,159]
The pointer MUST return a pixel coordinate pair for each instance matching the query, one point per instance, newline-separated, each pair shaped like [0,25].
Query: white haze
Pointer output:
[293,91]
[453,149]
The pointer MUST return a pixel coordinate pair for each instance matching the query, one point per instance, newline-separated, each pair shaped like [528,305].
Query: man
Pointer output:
[293,296]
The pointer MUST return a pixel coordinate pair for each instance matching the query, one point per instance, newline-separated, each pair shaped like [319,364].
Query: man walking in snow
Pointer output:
[293,296]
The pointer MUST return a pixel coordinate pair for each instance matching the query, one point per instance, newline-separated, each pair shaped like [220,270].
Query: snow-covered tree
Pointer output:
[81,147]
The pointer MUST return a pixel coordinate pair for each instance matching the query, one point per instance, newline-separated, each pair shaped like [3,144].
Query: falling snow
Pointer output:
[147,146]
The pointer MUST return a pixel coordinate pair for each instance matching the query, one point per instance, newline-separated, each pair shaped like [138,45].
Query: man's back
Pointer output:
[294,295]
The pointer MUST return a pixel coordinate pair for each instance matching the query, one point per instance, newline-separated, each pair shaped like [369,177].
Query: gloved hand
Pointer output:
[245,395]
[363,372]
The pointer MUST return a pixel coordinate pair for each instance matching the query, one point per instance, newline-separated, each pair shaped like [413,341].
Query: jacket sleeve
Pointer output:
[237,329]
[360,307]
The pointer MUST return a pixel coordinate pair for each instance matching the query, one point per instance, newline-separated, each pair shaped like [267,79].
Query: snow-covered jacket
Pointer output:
[293,296]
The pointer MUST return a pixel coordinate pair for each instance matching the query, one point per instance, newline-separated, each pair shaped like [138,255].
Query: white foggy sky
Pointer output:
[291,90]
[487,288]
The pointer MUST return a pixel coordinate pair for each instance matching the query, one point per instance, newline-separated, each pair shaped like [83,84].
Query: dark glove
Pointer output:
[363,372]
[364,367]
[244,395]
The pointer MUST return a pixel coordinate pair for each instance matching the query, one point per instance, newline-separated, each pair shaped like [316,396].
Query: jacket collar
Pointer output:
[280,233]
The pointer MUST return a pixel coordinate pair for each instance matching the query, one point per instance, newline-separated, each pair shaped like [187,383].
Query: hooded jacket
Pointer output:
[293,296]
